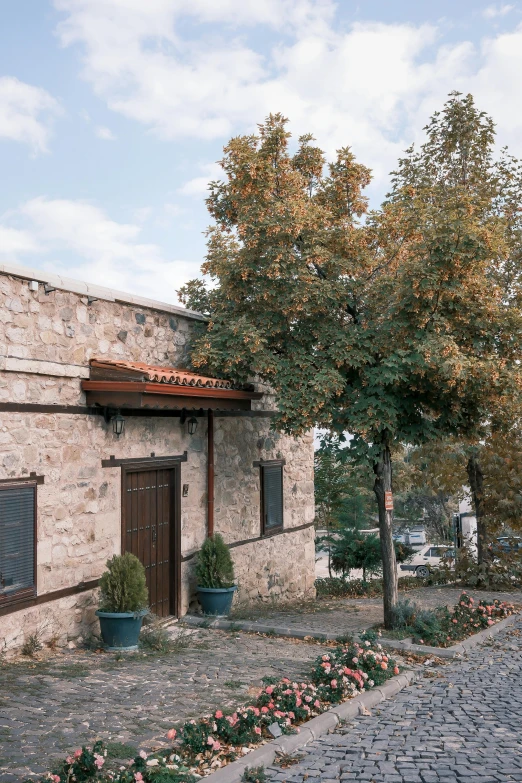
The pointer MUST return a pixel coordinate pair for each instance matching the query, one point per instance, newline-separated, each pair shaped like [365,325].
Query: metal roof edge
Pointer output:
[97,291]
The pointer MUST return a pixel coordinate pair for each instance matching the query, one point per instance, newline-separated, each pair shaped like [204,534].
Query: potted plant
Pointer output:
[215,576]
[123,602]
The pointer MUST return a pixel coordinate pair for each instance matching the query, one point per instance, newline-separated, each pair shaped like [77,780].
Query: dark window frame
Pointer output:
[24,593]
[266,532]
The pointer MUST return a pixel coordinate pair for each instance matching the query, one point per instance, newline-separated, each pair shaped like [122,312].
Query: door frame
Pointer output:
[174,465]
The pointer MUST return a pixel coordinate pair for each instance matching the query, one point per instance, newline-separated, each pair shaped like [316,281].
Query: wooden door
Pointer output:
[148,515]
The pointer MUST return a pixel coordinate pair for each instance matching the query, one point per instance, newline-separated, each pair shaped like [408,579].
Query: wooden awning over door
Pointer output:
[133,385]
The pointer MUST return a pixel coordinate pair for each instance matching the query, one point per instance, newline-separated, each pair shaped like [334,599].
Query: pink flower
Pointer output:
[77,753]
[317,703]
[171,734]
[264,710]
[210,740]
[218,714]
[308,699]
[396,670]
[69,759]
[138,776]
[56,778]
[143,754]
[355,660]
[216,745]
[257,730]
[384,666]
[99,760]
[454,621]
[269,690]
[333,684]
[491,622]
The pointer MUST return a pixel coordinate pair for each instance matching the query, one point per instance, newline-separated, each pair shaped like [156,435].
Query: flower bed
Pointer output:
[443,627]
[201,746]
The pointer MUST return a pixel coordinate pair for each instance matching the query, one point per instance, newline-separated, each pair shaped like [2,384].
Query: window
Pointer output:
[17,540]
[271,496]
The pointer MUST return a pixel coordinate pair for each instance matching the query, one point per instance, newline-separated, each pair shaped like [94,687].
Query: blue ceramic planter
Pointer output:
[121,630]
[216,600]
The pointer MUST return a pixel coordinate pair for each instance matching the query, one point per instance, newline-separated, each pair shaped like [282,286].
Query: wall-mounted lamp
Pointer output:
[192,425]
[118,424]
[114,417]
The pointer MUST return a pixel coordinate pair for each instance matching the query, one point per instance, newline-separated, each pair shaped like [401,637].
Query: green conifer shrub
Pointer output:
[123,587]
[214,567]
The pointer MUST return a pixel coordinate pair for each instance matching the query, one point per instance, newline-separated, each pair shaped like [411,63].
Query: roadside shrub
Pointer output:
[214,566]
[442,627]
[123,587]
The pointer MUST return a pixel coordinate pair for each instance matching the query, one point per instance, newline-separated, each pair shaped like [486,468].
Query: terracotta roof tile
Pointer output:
[153,374]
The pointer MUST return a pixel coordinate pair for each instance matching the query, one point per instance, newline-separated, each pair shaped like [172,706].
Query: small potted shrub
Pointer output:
[215,576]
[123,602]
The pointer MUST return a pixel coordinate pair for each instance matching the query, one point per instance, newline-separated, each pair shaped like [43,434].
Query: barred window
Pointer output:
[17,540]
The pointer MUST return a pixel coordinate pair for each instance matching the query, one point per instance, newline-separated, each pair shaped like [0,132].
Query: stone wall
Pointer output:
[79,515]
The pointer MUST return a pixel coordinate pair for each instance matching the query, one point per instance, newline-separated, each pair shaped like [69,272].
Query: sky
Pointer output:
[114,113]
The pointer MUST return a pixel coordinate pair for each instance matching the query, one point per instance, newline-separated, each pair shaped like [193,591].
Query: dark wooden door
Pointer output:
[148,508]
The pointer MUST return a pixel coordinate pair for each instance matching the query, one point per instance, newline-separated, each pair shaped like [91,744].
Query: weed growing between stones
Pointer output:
[254,775]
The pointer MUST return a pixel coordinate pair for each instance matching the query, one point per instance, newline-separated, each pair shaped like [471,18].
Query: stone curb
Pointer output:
[221,624]
[312,729]
[455,651]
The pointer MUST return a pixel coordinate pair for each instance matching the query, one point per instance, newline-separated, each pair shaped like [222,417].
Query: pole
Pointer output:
[210,473]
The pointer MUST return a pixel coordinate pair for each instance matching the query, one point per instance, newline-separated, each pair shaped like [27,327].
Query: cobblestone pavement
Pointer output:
[50,707]
[338,616]
[463,725]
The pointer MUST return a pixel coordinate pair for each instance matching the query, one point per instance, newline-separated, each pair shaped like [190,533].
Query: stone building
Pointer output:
[78,363]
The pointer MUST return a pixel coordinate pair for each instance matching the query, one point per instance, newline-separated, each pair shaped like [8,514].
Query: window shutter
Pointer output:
[17,509]
[273,497]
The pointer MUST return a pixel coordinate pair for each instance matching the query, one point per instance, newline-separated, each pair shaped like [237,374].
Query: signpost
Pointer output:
[388,501]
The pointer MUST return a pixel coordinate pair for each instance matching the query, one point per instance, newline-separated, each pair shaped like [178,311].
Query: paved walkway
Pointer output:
[50,707]
[338,616]
[463,725]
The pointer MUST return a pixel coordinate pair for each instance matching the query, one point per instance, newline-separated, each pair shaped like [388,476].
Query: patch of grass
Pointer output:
[155,639]
[119,750]
[233,684]
[69,670]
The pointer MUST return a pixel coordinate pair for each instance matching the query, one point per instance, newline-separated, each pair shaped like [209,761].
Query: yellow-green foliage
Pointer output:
[214,566]
[123,586]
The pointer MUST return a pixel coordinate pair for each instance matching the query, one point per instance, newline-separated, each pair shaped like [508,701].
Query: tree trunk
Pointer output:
[383,483]
[476,483]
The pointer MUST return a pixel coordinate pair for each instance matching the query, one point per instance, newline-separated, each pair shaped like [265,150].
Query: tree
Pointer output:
[396,330]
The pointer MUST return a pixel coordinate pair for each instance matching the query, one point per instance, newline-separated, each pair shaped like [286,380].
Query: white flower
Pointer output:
[152,762]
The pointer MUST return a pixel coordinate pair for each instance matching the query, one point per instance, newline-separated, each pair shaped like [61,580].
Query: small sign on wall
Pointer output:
[388,501]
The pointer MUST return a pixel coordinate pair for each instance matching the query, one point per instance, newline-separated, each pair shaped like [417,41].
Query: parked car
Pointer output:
[430,556]
[416,536]
[506,545]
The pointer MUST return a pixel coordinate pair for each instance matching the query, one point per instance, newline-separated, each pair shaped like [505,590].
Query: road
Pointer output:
[464,723]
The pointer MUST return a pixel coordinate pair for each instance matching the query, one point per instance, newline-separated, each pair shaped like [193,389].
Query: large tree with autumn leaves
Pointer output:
[397,328]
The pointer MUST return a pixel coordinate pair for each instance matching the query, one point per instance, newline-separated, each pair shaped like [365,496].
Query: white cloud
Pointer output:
[14,241]
[26,113]
[96,248]
[370,85]
[493,11]
[198,186]
[105,133]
